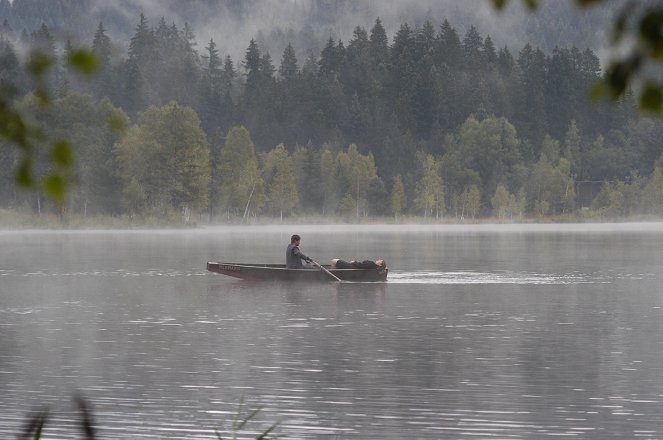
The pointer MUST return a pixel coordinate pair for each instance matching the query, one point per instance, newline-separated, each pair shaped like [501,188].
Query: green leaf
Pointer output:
[55,187]
[42,96]
[651,98]
[40,425]
[36,424]
[264,435]
[620,27]
[651,32]
[13,128]
[40,63]
[84,61]
[249,418]
[499,4]
[24,174]
[531,4]
[619,74]
[62,154]
[597,91]
[585,3]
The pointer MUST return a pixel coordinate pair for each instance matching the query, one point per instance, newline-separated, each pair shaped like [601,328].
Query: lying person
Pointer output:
[378,264]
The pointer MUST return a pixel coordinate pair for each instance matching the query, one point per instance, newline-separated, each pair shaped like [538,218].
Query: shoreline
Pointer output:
[29,222]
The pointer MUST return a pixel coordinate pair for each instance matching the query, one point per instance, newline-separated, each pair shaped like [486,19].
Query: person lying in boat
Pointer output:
[293,256]
[378,264]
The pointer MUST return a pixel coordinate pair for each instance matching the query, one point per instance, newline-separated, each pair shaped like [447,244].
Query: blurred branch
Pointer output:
[35,424]
[238,423]
[86,417]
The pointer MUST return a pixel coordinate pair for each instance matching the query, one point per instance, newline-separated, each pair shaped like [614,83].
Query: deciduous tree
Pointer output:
[429,190]
[398,200]
[164,161]
[279,178]
[241,187]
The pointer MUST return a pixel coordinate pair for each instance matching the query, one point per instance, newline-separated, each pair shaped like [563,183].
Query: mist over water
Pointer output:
[527,331]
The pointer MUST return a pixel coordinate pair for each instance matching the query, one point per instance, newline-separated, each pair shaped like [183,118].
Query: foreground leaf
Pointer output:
[84,61]
[35,424]
[55,187]
[651,98]
[62,154]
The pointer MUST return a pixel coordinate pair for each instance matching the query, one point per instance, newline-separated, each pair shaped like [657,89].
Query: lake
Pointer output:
[511,332]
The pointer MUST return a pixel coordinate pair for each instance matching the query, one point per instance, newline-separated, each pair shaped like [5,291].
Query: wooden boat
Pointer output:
[278,272]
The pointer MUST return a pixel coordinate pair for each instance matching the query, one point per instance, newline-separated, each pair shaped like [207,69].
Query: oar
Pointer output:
[326,271]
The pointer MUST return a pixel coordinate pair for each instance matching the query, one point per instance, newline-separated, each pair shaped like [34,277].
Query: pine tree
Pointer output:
[379,44]
[189,38]
[10,67]
[404,68]
[449,50]
[64,74]
[472,50]
[505,61]
[489,52]
[424,104]
[378,52]
[288,69]
[102,82]
[530,113]
[133,88]
[6,30]
[211,88]
[43,41]
[425,40]
[101,46]
[141,44]
[252,63]
[213,68]
[229,74]
[331,58]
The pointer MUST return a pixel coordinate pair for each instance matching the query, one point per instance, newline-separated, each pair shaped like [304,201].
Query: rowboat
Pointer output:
[278,272]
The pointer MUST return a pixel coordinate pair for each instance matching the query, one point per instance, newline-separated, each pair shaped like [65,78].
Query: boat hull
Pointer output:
[278,272]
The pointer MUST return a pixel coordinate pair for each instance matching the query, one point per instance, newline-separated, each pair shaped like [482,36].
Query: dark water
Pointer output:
[481,332]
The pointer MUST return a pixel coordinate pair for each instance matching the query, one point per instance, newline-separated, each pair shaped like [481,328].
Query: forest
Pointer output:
[425,123]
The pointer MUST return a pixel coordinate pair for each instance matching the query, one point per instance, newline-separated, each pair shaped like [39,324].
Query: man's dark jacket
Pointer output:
[294,257]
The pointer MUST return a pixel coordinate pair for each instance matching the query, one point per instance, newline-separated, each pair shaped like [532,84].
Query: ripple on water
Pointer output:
[123,273]
[472,277]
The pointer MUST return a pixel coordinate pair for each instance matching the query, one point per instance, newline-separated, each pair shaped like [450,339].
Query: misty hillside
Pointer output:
[307,24]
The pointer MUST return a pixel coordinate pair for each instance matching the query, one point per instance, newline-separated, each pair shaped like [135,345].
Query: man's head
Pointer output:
[295,239]
[380,262]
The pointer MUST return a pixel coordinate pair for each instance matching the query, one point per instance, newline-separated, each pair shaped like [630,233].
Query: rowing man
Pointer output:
[293,256]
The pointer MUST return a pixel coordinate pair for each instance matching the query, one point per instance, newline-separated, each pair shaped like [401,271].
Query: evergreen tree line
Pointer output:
[430,124]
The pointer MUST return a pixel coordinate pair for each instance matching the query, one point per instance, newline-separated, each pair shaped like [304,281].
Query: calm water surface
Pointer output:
[481,332]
